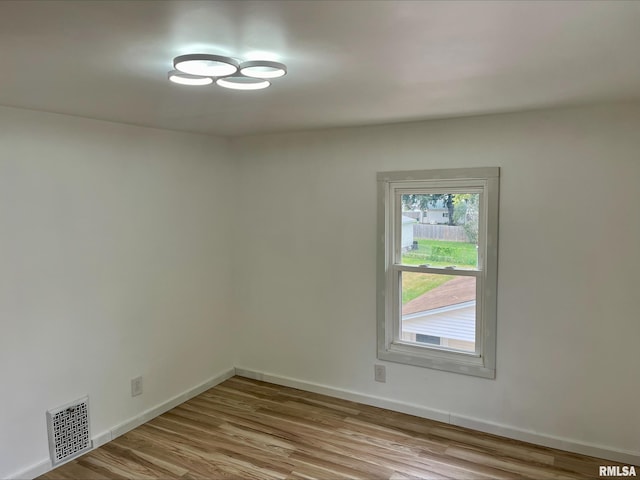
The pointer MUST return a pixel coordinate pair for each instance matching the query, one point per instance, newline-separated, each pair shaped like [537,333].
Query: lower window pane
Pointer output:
[439,310]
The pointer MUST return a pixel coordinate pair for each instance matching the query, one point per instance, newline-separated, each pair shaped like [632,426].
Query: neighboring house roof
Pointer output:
[446,311]
[406,219]
[457,290]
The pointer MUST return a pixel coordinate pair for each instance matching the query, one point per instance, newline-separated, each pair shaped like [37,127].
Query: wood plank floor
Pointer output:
[253,430]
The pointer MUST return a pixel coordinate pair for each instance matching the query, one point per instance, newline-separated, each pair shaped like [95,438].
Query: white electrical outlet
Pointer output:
[380,373]
[136,386]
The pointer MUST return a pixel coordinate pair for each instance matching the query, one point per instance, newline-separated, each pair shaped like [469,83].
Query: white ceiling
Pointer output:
[350,62]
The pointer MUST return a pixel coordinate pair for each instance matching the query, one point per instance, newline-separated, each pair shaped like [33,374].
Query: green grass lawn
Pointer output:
[435,253]
[416,284]
[440,253]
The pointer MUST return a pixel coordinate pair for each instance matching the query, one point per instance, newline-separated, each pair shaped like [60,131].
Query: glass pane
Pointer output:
[439,310]
[440,230]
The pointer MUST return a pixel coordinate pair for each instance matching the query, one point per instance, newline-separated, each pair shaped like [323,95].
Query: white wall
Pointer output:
[114,262]
[117,243]
[568,326]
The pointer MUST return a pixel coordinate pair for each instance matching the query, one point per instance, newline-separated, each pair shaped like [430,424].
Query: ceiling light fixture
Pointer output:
[185,79]
[238,82]
[263,69]
[206,65]
[227,72]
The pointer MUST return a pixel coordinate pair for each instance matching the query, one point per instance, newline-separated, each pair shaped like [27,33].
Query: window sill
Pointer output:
[437,358]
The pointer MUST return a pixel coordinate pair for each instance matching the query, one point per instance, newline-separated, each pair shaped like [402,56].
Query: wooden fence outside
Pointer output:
[440,232]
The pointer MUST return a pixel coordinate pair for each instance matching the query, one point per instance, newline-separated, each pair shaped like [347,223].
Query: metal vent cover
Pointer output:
[68,428]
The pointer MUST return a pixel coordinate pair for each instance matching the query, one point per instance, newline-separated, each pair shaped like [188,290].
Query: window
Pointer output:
[421,338]
[445,215]
[437,283]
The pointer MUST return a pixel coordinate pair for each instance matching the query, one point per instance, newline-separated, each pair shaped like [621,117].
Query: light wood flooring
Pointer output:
[253,430]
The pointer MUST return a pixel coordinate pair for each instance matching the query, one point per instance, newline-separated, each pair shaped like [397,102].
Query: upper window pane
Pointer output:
[440,230]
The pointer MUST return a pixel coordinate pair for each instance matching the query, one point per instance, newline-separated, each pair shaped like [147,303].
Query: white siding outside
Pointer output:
[407,232]
[457,322]
[436,215]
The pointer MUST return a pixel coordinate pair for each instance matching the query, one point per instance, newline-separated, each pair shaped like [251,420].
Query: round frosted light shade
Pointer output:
[185,79]
[242,83]
[205,65]
[263,69]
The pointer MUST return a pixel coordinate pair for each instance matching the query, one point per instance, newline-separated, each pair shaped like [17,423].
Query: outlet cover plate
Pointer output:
[136,386]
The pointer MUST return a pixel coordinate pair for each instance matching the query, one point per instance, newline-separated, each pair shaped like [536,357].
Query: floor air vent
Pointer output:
[68,428]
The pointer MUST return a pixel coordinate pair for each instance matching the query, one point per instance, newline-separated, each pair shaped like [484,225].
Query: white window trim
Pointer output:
[482,363]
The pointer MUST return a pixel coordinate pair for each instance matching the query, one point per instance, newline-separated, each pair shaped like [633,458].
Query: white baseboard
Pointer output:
[152,413]
[33,471]
[101,439]
[45,465]
[561,443]
[409,408]
[600,451]
[627,457]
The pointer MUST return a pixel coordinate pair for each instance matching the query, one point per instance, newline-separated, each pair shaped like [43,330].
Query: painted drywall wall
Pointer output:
[117,245]
[114,263]
[567,356]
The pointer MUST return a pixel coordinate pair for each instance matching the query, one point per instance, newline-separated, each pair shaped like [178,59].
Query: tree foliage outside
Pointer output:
[462,207]
[467,213]
[422,202]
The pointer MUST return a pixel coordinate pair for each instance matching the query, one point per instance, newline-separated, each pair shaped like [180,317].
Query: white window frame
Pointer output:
[391,185]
